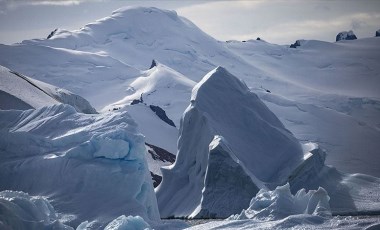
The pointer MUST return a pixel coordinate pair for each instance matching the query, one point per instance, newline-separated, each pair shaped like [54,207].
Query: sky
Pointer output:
[280,22]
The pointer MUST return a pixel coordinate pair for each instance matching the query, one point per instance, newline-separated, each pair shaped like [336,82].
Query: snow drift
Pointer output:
[91,167]
[223,105]
[21,92]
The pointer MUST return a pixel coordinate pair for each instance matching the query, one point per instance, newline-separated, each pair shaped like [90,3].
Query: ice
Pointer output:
[127,223]
[280,203]
[19,210]
[227,187]
[332,87]
[92,166]
[223,105]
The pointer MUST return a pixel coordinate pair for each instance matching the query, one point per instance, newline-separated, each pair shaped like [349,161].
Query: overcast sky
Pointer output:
[280,22]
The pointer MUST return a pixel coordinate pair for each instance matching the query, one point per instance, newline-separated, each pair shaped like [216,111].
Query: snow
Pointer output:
[337,80]
[322,92]
[280,203]
[127,223]
[160,86]
[223,105]
[21,92]
[84,163]
[21,211]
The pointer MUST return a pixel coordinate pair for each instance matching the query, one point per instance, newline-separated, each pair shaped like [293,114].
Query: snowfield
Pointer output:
[267,136]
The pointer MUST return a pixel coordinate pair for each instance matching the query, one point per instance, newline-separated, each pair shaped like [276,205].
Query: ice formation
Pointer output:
[281,203]
[223,105]
[227,186]
[84,163]
[21,211]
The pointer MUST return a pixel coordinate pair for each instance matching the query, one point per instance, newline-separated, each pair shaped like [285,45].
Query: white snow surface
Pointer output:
[21,211]
[21,92]
[280,203]
[223,105]
[84,164]
[322,92]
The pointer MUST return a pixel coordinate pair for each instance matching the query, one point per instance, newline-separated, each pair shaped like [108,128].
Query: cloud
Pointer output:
[12,4]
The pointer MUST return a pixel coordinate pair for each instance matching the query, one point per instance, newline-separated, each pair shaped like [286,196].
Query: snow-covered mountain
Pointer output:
[94,166]
[21,92]
[333,85]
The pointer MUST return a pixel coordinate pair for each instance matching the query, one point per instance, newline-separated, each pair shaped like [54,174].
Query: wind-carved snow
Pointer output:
[92,167]
[22,92]
[223,105]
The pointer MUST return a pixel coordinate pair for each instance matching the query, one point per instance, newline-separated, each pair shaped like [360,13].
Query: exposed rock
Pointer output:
[377,33]
[52,34]
[161,114]
[137,101]
[344,35]
[297,43]
[156,179]
[154,64]
[160,154]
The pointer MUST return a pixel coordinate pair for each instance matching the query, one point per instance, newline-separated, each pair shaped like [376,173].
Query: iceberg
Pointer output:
[223,105]
[91,166]
[19,210]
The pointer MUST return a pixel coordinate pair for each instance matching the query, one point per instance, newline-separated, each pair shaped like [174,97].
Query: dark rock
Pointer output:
[154,64]
[137,101]
[161,114]
[344,35]
[377,33]
[295,44]
[161,154]
[258,38]
[156,179]
[52,34]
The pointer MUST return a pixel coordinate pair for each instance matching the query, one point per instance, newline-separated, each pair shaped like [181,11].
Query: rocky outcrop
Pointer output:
[161,114]
[346,35]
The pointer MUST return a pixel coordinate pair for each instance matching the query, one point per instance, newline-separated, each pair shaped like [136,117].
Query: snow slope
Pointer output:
[336,102]
[90,167]
[83,73]
[338,81]
[223,105]
[21,92]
